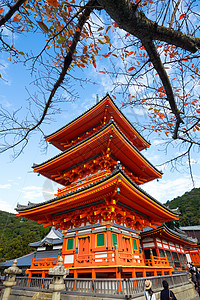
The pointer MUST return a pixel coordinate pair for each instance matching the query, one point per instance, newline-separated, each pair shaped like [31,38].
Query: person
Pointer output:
[148,293]
[166,294]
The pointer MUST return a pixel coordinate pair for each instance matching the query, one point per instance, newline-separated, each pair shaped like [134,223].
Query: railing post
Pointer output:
[10,281]
[152,258]
[57,284]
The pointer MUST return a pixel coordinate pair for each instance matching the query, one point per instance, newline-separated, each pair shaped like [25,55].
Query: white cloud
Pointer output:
[5,186]
[5,206]
[169,189]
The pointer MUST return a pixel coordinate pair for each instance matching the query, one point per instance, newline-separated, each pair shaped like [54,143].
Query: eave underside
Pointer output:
[115,199]
[166,233]
[109,142]
[98,114]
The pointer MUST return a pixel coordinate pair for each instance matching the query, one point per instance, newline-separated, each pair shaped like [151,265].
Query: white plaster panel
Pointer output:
[69,259]
[166,246]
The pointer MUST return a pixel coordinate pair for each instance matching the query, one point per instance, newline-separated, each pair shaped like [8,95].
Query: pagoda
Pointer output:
[101,207]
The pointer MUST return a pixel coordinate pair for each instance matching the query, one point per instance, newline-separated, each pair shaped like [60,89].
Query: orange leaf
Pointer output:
[84,49]
[54,3]
[1,10]
[131,69]
[186,103]
[102,72]
[17,18]
[137,62]
[181,16]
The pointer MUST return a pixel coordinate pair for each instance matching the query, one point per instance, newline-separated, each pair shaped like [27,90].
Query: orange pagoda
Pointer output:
[101,207]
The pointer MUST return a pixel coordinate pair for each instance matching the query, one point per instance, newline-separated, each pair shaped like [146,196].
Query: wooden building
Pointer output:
[101,207]
[165,242]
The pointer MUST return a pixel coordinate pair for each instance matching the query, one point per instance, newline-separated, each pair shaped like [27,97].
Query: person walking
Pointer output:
[148,293]
[166,294]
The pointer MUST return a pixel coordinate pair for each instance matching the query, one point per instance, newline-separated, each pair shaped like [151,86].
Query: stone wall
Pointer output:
[186,292]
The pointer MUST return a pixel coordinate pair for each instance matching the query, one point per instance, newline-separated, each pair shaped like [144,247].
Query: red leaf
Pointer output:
[160,89]
[131,69]
[115,25]
[102,72]
[69,10]
[181,16]
[94,64]
[114,97]
[186,104]
[1,10]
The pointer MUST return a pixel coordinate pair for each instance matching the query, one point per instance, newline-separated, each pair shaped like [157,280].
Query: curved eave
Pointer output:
[167,233]
[57,137]
[94,145]
[130,195]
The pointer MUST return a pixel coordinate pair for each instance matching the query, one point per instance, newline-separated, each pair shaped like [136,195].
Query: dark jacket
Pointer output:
[164,295]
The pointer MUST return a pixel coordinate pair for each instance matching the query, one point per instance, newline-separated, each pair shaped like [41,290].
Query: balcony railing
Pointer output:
[108,257]
[44,263]
[115,288]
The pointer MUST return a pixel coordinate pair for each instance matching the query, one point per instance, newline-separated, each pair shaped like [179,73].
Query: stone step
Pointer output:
[42,296]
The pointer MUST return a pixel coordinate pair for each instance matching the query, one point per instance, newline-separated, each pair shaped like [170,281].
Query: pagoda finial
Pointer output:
[97,98]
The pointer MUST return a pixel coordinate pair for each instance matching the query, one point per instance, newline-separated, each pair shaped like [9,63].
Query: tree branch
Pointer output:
[11,12]
[129,18]
[67,61]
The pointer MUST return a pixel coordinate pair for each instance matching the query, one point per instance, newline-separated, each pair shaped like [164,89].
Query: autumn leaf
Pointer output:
[54,3]
[107,38]
[43,26]
[84,49]
[181,16]
[113,96]
[69,10]
[160,89]
[1,10]
[131,68]
[108,28]
[17,18]
[94,64]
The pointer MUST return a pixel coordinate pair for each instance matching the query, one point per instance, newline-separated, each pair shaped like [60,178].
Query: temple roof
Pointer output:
[95,145]
[54,237]
[167,232]
[130,196]
[103,110]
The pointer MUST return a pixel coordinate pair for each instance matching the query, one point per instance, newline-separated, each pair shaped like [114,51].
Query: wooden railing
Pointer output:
[43,263]
[115,288]
[156,261]
[108,257]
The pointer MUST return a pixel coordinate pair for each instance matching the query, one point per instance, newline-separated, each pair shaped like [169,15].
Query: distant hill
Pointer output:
[189,207]
[16,234]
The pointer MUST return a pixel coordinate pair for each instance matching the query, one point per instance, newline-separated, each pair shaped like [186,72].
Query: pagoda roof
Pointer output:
[91,118]
[130,196]
[170,234]
[95,145]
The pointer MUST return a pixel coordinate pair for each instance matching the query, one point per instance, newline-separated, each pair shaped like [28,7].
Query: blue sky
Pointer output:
[18,183]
